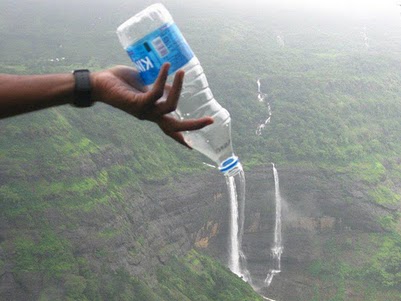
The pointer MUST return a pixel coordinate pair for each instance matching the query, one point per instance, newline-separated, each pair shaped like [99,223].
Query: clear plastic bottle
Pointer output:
[151,38]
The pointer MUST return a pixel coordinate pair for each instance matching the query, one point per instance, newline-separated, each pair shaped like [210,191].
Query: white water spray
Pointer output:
[236,190]
[261,98]
[265,298]
[365,38]
[209,165]
[277,249]
[280,40]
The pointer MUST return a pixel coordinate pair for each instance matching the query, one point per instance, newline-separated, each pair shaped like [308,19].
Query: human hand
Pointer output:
[121,87]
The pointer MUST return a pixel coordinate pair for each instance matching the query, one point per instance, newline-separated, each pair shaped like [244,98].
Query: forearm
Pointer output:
[25,93]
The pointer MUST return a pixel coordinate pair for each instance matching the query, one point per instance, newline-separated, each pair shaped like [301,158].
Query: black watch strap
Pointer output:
[83,89]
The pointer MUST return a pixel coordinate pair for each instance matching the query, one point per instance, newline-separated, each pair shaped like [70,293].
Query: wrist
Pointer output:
[94,79]
[101,86]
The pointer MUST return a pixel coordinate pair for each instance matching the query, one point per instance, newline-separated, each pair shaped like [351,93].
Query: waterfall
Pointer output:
[280,40]
[365,38]
[237,258]
[261,98]
[277,248]
[233,262]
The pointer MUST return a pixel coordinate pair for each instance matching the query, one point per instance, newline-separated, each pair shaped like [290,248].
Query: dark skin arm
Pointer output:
[119,87]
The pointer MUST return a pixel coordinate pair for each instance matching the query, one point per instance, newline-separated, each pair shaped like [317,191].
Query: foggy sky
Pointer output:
[355,8]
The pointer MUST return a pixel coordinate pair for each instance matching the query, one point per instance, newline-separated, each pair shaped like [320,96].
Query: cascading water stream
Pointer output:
[261,98]
[233,262]
[280,40]
[365,38]
[236,191]
[277,248]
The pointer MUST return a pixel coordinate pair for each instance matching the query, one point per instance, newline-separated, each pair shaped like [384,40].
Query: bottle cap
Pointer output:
[229,164]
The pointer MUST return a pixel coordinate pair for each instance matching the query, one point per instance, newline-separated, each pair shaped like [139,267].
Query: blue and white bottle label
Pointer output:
[165,44]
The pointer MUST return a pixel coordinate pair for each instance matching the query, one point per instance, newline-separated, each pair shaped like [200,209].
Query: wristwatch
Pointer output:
[82,89]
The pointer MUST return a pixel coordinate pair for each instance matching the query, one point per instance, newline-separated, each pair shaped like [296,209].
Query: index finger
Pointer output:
[170,124]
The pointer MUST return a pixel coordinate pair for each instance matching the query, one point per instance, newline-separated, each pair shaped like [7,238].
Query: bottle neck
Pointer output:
[231,166]
[234,171]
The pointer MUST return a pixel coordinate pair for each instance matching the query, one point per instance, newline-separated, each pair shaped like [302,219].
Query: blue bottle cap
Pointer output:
[229,164]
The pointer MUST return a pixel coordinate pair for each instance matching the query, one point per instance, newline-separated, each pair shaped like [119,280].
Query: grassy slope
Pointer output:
[335,105]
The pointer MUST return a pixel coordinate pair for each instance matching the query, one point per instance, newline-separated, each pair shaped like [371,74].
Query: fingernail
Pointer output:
[209,121]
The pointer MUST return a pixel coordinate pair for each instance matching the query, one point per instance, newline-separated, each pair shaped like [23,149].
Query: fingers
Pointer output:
[192,124]
[169,124]
[154,104]
[179,137]
[174,128]
[174,93]
[158,88]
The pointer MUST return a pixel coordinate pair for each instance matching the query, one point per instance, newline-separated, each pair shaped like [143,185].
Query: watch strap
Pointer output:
[82,89]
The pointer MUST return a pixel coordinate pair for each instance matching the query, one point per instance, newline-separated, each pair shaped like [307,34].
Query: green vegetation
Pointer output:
[359,263]
[51,255]
[385,265]
[384,195]
[1,265]
[199,278]
[193,277]
[335,106]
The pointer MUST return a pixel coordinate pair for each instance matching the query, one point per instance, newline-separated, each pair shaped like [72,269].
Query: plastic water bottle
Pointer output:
[151,38]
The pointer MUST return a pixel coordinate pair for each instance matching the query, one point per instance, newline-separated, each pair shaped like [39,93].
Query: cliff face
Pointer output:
[165,218]
[138,233]
[325,216]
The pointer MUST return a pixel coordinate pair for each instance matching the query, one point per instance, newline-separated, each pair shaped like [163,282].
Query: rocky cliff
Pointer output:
[147,225]
[138,234]
[327,217]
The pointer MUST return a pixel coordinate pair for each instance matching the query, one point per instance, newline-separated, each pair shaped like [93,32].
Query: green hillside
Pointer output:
[335,106]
